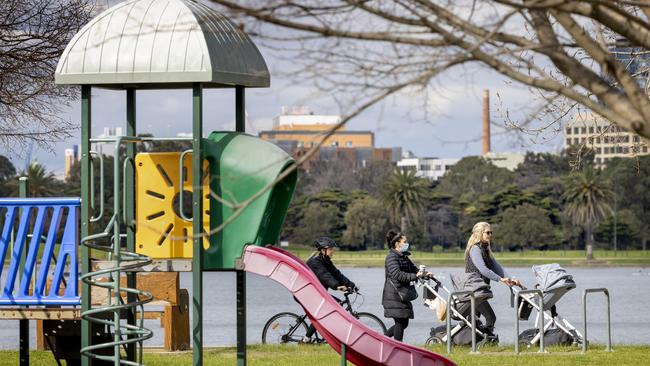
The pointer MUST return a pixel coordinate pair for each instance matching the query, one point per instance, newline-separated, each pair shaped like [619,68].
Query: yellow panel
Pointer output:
[160,231]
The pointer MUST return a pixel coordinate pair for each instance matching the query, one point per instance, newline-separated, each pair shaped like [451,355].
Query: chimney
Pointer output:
[486,122]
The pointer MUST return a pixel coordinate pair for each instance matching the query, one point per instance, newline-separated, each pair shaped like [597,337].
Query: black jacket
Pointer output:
[329,276]
[401,271]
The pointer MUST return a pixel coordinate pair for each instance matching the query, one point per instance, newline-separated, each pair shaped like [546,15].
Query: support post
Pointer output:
[129,193]
[585,342]
[24,323]
[240,126]
[197,224]
[85,214]
[344,354]
[241,318]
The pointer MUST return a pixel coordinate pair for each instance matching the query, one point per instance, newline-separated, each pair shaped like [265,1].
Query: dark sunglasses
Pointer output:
[488,232]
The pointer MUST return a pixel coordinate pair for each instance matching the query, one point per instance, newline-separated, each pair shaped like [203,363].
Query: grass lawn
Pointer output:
[604,258]
[323,355]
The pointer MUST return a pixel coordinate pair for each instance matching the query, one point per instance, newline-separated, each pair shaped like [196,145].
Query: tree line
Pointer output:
[543,204]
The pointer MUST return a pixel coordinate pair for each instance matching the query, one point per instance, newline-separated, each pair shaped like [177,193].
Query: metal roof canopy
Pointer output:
[157,44]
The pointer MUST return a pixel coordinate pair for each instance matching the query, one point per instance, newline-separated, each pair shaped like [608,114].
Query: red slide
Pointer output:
[364,346]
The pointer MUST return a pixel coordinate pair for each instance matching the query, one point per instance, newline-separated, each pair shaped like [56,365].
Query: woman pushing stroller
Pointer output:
[479,259]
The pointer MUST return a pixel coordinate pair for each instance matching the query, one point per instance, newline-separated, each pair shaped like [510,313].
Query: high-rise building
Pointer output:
[603,137]
[71,158]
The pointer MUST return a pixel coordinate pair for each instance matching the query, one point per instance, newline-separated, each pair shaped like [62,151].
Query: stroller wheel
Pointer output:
[433,340]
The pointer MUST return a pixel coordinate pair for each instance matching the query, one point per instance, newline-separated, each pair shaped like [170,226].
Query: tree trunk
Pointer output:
[402,226]
[644,241]
[590,244]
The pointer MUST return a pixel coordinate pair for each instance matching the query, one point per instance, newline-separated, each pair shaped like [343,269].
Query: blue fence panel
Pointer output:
[32,222]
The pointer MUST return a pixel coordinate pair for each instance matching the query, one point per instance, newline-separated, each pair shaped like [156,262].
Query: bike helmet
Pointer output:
[324,242]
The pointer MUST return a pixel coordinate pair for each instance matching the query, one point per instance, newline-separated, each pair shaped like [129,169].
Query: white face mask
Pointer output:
[404,247]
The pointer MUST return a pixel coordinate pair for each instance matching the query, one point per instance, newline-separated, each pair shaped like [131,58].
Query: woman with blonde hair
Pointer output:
[479,259]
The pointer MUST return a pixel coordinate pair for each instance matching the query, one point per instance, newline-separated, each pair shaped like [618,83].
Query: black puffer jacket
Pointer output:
[327,273]
[402,272]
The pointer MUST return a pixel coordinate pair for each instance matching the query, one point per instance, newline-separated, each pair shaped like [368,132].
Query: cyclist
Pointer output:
[329,276]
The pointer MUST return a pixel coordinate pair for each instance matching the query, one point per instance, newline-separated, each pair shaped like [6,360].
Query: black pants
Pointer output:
[397,330]
[483,308]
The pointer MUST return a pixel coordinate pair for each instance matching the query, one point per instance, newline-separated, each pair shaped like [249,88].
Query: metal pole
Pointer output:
[240,126]
[129,195]
[540,321]
[23,323]
[344,354]
[197,223]
[472,309]
[117,255]
[584,318]
[85,214]
[241,318]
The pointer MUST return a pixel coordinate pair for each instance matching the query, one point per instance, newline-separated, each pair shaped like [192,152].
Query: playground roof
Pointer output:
[161,43]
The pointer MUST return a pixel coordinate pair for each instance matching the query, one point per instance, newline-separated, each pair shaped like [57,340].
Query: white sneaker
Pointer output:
[306,339]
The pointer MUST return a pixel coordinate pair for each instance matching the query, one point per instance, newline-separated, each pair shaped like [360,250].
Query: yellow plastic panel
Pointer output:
[160,230]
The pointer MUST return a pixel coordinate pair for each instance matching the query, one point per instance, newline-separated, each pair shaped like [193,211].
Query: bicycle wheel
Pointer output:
[372,322]
[284,328]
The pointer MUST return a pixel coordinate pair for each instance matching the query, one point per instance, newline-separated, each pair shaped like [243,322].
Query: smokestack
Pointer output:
[486,122]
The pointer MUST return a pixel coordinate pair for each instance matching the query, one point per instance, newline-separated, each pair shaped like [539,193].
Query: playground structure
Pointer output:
[238,188]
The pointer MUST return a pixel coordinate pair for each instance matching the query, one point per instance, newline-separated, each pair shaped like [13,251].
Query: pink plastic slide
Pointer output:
[364,346]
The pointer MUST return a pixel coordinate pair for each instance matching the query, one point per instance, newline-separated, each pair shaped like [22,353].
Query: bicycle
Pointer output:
[288,327]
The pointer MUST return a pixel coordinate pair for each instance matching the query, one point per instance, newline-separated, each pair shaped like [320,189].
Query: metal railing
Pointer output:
[584,318]
[540,317]
[472,299]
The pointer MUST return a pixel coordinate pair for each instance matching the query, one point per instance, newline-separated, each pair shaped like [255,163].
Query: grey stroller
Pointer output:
[554,282]
[461,331]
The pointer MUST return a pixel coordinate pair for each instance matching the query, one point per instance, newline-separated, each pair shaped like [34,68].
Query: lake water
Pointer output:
[629,288]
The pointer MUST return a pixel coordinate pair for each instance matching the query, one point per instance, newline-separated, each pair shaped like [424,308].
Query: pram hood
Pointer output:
[552,277]
[471,282]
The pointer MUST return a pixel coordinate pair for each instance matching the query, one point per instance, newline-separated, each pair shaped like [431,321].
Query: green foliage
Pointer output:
[7,172]
[318,220]
[627,227]
[403,195]
[366,223]
[473,177]
[525,226]
[41,183]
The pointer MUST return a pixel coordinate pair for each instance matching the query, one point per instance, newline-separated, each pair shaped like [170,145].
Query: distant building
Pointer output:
[604,138]
[296,130]
[111,132]
[429,168]
[303,126]
[71,158]
[507,160]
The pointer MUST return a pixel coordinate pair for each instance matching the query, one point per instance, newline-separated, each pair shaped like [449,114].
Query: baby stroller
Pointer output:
[554,283]
[461,332]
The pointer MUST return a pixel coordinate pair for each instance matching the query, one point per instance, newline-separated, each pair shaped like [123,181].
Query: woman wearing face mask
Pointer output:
[400,275]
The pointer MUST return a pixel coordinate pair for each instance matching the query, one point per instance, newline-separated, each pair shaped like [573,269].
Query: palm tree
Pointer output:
[404,194]
[586,198]
[40,182]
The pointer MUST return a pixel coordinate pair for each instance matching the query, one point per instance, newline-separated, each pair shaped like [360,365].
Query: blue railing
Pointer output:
[33,215]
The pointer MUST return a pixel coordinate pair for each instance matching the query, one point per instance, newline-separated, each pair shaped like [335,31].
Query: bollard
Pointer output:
[472,309]
[584,318]
[541,318]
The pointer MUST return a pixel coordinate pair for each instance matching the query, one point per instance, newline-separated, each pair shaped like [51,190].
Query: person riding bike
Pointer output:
[329,276]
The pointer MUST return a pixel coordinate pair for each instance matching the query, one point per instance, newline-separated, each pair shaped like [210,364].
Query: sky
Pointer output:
[450,129]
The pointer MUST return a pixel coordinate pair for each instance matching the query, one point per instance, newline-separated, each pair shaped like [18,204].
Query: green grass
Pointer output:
[604,258]
[323,355]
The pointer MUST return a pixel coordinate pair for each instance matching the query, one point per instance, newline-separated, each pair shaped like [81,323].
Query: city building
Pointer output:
[71,158]
[507,160]
[306,128]
[603,137]
[426,167]
[297,129]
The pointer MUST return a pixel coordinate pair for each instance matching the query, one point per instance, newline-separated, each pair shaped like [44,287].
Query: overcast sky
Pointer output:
[451,129]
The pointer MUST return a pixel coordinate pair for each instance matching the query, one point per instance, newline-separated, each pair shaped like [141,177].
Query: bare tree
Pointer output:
[33,34]
[565,51]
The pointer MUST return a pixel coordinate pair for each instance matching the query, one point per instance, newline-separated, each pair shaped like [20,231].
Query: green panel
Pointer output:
[240,167]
